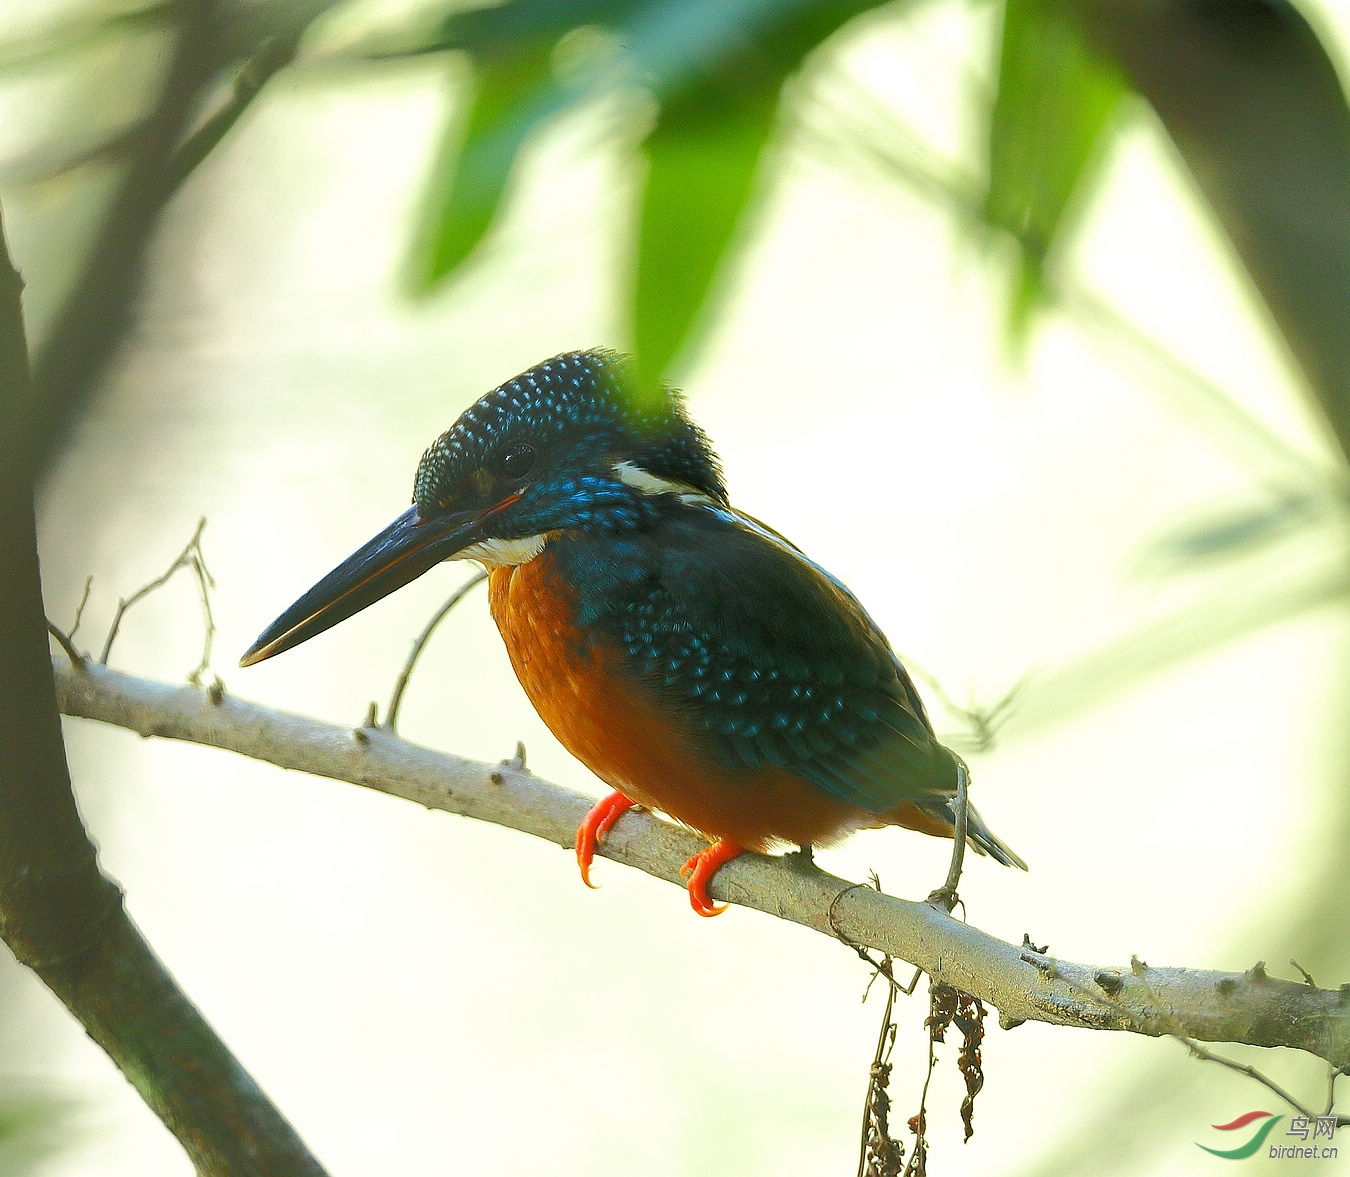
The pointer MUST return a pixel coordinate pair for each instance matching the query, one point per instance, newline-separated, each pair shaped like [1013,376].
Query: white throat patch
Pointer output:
[500,553]
[653,484]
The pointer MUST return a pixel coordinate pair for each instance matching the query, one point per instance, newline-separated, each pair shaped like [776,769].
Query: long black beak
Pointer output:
[399,554]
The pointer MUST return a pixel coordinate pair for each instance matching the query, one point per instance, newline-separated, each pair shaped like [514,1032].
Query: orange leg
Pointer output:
[700,869]
[593,828]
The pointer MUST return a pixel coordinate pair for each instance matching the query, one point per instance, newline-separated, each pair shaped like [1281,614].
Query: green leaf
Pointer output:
[702,158]
[514,93]
[1054,105]
[719,83]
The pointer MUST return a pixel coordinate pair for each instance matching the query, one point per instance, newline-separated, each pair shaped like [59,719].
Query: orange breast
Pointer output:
[620,729]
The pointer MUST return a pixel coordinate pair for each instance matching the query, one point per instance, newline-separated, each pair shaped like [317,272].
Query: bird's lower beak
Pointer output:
[399,554]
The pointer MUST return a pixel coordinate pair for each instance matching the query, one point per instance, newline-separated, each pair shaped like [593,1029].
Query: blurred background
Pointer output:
[982,308]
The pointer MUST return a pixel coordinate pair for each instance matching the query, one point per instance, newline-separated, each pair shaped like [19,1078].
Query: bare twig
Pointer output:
[275,53]
[1258,975]
[1251,1072]
[984,722]
[67,639]
[946,894]
[192,559]
[1205,1005]
[396,699]
[1333,1073]
[79,609]
[63,639]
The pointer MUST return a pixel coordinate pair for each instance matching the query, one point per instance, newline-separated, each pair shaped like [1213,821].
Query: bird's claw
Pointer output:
[598,821]
[698,873]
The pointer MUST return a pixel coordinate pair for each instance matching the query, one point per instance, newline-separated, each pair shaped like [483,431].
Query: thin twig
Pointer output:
[391,717]
[79,609]
[67,639]
[63,638]
[1200,1052]
[1251,1072]
[946,894]
[1174,1030]
[984,721]
[274,54]
[191,558]
[205,583]
[1333,1073]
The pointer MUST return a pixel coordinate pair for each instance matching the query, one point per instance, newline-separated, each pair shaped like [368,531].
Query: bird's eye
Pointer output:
[515,462]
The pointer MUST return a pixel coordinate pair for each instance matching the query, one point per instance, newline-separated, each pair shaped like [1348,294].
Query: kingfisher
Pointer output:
[695,660]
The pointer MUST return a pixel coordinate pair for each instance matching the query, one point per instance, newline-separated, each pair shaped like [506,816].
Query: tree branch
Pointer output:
[1024,985]
[59,914]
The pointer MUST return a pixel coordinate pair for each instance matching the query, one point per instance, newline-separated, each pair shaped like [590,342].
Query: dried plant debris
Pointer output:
[881,1154]
[951,1007]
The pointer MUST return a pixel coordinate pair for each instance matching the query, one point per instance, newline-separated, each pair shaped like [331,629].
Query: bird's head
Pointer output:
[567,445]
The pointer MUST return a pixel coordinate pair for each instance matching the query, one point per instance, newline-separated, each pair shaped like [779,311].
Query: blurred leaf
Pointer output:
[503,29]
[715,67]
[1054,105]
[512,47]
[69,35]
[703,156]
[32,1128]
[514,94]
[1238,531]
[1253,103]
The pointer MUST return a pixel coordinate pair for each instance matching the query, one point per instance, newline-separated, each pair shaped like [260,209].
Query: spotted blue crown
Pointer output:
[581,416]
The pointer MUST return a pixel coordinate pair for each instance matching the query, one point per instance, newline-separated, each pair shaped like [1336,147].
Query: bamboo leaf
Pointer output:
[1055,103]
[469,177]
[719,87]
[1253,102]
[702,158]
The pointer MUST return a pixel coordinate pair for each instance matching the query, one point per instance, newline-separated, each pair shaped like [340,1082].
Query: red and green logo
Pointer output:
[1258,1138]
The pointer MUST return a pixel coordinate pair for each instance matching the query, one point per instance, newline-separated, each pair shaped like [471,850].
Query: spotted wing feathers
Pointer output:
[777,662]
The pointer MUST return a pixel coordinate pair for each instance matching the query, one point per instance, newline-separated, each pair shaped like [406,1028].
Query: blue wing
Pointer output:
[774,659]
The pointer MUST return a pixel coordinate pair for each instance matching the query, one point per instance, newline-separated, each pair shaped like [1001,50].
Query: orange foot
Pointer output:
[593,828]
[699,871]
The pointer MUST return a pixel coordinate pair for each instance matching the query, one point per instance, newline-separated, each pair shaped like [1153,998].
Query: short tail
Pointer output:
[983,840]
[937,816]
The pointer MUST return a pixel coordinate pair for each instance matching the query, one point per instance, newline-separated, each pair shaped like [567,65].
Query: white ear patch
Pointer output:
[652,484]
[499,553]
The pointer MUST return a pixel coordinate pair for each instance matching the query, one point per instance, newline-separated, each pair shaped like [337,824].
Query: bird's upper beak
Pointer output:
[399,554]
